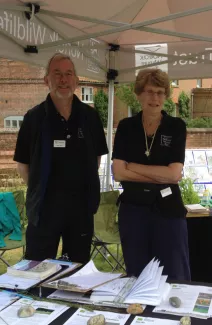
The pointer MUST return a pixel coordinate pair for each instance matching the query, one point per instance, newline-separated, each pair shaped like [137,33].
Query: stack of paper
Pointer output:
[195,301]
[84,280]
[196,208]
[15,282]
[148,289]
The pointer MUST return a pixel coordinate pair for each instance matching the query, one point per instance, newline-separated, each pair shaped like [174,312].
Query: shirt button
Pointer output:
[62,119]
[68,136]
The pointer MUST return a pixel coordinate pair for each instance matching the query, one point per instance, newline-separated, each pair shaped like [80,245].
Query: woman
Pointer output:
[148,158]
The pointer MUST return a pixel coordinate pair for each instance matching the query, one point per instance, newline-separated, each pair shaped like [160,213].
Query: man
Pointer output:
[58,151]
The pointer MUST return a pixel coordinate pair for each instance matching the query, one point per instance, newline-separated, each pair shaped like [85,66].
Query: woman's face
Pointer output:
[152,98]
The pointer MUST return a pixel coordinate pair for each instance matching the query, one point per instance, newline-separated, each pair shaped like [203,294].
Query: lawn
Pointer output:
[15,255]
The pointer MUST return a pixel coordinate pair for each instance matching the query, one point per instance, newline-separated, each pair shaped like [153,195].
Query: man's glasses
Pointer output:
[151,93]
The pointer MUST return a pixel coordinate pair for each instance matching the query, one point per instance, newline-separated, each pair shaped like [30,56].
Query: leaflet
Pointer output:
[153,321]
[45,313]
[196,301]
[81,317]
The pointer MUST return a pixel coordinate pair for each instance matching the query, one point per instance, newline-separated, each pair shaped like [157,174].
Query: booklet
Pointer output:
[196,208]
[148,289]
[196,301]
[33,269]
[81,317]
[45,313]
[84,280]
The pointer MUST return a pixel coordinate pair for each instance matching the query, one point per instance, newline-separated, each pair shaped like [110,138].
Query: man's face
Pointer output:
[61,79]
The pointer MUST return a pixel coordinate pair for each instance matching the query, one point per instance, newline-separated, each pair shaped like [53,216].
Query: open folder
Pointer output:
[84,280]
[148,289]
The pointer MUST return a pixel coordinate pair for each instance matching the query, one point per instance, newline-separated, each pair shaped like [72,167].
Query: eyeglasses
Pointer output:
[151,93]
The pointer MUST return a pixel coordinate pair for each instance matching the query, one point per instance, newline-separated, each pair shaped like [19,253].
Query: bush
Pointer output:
[101,105]
[189,195]
[203,122]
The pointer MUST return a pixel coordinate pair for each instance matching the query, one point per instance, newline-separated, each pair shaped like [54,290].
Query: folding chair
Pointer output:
[14,244]
[106,230]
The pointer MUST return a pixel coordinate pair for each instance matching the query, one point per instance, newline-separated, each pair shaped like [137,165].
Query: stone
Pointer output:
[135,309]
[96,320]
[26,311]
[186,320]
[175,302]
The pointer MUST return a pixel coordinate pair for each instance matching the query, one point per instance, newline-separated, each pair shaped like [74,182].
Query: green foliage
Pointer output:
[101,105]
[184,105]
[126,94]
[189,195]
[169,106]
[203,122]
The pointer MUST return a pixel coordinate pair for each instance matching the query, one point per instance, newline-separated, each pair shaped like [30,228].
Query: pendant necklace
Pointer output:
[148,148]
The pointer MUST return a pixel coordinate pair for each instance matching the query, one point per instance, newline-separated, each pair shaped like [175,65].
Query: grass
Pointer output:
[13,256]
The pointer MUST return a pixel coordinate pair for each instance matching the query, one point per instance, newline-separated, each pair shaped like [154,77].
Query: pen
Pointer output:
[40,292]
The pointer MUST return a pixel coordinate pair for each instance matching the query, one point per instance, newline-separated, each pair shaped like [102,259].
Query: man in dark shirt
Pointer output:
[58,151]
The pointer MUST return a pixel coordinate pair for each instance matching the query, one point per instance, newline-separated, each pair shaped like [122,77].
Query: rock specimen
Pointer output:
[26,311]
[186,320]
[96,320]
[135,309]
[175,302]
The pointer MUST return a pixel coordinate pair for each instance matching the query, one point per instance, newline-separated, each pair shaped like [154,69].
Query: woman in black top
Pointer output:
[148,158]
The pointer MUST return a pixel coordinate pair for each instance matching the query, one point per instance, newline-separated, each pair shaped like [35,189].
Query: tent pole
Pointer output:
[110,132]
[111,76]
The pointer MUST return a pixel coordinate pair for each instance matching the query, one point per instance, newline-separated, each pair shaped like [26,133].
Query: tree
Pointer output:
[101,105]
[126,93]
[169,106]
[184,105]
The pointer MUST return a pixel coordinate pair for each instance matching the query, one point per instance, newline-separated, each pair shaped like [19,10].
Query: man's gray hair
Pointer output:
[60,56]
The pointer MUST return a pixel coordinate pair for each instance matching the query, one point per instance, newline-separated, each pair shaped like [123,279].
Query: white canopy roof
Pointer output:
[176,32]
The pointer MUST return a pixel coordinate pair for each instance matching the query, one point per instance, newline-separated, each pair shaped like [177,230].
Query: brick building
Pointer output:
[188,85]
[22,87]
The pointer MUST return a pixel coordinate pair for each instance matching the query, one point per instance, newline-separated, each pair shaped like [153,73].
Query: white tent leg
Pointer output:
[109,132]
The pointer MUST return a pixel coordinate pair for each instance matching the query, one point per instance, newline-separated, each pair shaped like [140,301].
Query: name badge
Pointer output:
[166,191]
[59,143]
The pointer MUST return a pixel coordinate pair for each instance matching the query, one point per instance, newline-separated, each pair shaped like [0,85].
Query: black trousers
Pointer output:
[145,235]
[71,223]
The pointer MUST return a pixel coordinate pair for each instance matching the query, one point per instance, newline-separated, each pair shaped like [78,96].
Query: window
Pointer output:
[199,83]
[87,94]
[13,122]
[175,83]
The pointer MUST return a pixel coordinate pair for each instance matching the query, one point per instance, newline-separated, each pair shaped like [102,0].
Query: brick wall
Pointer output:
[196,138]
[199,138]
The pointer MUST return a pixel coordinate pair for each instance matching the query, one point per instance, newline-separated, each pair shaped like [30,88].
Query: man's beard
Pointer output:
[64,96]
